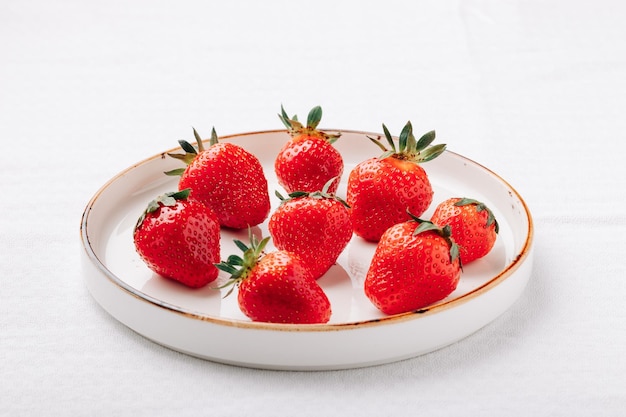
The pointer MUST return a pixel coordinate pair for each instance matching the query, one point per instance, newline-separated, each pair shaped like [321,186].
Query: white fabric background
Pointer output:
[534,90]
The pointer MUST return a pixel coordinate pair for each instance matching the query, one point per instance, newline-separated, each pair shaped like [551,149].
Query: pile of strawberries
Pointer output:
[417,262]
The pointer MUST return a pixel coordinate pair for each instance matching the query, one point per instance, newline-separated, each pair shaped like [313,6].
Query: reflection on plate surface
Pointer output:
[204,324]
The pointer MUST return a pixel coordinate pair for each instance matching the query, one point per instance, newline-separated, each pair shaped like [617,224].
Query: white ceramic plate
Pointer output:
[204,324]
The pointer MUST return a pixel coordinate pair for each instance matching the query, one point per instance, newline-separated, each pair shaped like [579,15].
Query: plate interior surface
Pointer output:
[110,216]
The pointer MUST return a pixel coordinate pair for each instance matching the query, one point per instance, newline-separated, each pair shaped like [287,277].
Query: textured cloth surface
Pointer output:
[534,90]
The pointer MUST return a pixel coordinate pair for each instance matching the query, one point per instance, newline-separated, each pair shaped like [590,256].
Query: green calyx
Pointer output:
[296,128]
[491,219]
[190,151]
[239,266]
[445,232]
[318,195]
[167,200]
[409,149]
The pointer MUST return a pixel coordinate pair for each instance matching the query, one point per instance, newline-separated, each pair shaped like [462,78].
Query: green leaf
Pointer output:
[167,200]
[279,195]
[297,194]
[189,155]
[389,138]
[223,266]
[214,138]
[377,143]
[411,144]
[425,226]
[188,147]
[466,201]
[284,117]
[342,201]
[491,218]
[242,246]
[333,138]
[179,156]
[152,206]
[454,252]
[314,117]
[404,136]
[181,194]
[425,140]
[431,153]
[175,172]
[262,244]
[198,140]
[235,260]
[328,184]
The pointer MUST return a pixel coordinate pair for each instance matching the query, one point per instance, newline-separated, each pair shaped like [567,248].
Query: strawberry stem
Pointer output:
[409,149]
[445,232]
[321,194]
[314,117]
[190,151]
[168,200]
[491,219]
[237,266]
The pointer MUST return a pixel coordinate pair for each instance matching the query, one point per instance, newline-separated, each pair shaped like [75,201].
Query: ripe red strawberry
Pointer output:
[308,160]
[275,287]
[381,190]
[315,226]
[179,239]
[415,264]
[227,178]
[474,227]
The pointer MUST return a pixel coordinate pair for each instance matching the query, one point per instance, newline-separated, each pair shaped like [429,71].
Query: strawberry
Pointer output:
[474,227]
[227,178]
[275,287]
[315,226]
[179,238]
[415,264]
[381,190]
[308,160]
